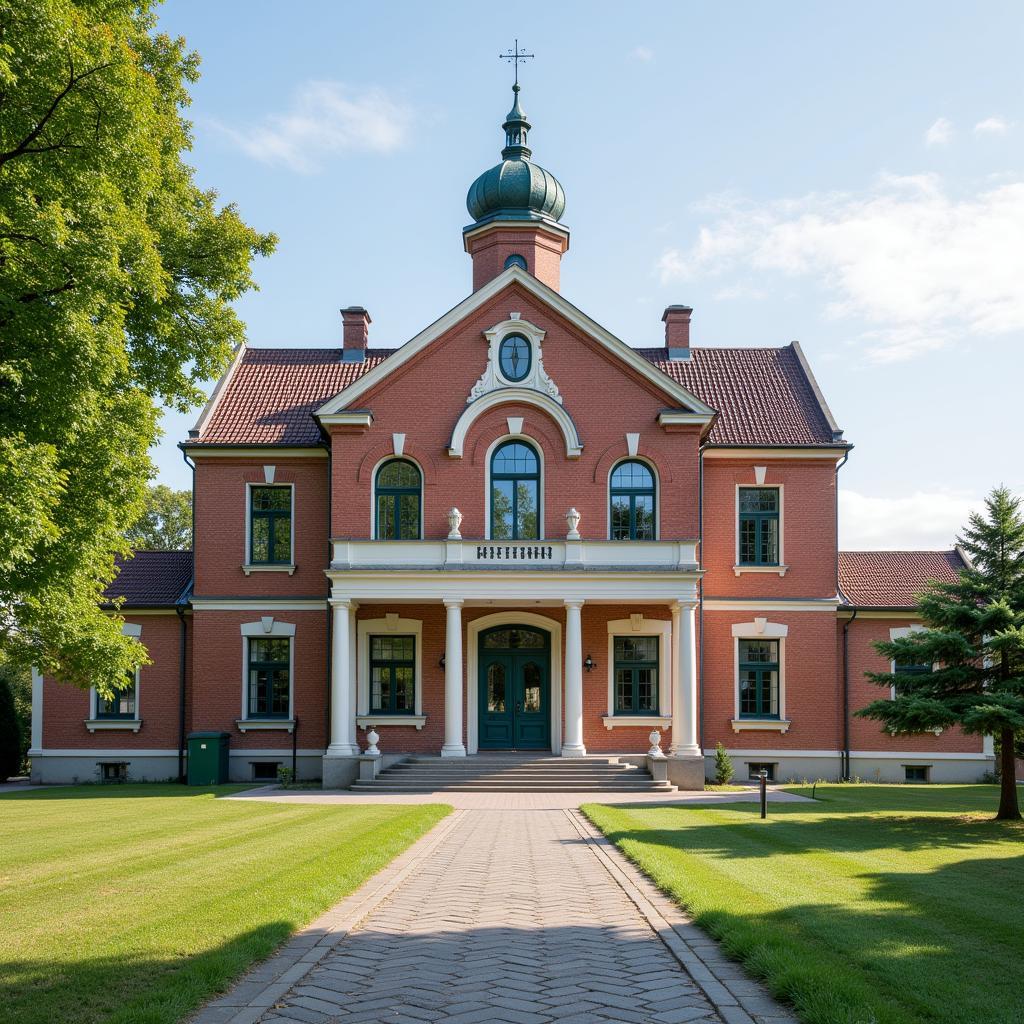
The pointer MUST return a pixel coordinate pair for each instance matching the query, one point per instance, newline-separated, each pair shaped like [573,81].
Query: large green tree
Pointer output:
[166,522]
[117,275]
[973,637]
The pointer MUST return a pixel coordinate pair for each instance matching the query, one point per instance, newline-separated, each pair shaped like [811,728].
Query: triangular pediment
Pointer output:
[682,401]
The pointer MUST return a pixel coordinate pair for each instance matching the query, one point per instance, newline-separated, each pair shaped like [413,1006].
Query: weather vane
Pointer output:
[515,56]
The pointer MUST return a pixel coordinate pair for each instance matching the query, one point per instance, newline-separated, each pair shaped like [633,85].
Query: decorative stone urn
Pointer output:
[655,741]
[372,737]
[454,522]
[572,518]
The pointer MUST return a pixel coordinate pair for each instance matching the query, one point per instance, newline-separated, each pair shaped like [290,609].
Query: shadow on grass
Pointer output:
[943,947]
[112,791]
[128,989]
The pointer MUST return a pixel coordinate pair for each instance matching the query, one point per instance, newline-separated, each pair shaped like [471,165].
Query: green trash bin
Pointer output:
[208,758]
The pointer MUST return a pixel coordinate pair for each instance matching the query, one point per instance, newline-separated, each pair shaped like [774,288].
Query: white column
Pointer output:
[573,745]
[684,693]
[342,709]
[453,746]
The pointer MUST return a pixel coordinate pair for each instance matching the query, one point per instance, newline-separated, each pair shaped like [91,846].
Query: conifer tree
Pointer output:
[973,637]
[723,766]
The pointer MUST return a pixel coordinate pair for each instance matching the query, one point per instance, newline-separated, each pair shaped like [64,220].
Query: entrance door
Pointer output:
[514,708]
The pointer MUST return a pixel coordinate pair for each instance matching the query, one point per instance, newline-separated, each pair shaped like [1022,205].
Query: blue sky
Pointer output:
[852,177]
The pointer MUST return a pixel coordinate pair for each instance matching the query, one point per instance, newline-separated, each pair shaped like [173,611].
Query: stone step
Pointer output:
[384,786]
[446,779]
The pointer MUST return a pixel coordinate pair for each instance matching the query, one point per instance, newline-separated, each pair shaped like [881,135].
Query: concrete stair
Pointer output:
[513,773]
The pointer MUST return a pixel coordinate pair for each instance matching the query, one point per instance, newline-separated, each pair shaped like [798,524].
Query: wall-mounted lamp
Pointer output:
[441,662]
[590,664]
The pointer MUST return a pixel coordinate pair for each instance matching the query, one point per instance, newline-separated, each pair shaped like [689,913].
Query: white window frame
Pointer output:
[373,493]
[267,626]
[897,633]
[539,449]
[249,567]
[759,629]
[134,724]
[779,570]
[657,496]
[395,624]
[639,625]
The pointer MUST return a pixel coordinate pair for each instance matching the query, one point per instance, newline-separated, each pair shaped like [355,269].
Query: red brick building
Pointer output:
[513,531]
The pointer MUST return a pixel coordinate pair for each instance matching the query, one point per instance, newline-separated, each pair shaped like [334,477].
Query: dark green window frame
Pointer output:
[268,677]
[633,493]
[759,679]
[760,528]
[124,704]
[632,658]
[270,524]
[398,506]
[393,674]
[519,530]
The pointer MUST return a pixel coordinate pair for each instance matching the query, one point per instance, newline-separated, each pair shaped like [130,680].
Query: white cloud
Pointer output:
[991,126]
[940,133]
[920,521]
[325,119]
[914,265]
[642,53]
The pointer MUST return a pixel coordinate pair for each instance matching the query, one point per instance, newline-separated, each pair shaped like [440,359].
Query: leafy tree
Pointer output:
[117,275]
[974,639]
[10,734]
[166,523]
[723,766]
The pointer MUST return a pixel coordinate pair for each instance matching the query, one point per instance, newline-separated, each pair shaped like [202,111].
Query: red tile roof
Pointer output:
[893,579]
[272,393]
[762,395]
[152,579]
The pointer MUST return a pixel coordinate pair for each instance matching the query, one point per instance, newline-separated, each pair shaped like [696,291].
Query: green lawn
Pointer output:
[133,904]
[873,905]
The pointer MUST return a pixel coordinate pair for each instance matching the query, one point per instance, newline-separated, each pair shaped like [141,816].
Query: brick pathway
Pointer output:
[521,916]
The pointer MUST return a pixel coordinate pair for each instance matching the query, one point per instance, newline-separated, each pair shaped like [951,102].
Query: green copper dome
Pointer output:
[516,189]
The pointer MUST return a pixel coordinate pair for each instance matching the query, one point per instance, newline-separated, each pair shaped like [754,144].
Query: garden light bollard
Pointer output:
[763,777]
[371,738]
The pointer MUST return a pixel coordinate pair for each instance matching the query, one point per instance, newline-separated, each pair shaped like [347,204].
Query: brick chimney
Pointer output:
[356,330]
[677,331]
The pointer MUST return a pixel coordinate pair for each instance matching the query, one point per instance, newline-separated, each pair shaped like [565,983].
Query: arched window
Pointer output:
[632,501]
[516,260]
[398,496]
[515,492]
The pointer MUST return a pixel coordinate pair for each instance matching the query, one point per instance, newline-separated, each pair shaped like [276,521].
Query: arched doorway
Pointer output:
[514,688]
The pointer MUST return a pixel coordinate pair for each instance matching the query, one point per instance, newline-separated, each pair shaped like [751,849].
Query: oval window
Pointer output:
[514,357]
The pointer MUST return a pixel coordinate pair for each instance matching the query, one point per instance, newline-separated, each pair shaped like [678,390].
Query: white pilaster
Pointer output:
[453,746]
[342,709]
[684,695]
[573,745]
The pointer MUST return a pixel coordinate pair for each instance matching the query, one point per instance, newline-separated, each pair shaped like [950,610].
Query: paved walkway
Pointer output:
[519,916]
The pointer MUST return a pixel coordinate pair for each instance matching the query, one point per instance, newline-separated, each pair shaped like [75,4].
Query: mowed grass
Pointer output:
[873,905]
[134,904]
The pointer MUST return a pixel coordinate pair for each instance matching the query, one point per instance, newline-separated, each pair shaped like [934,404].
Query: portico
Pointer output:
[517,621]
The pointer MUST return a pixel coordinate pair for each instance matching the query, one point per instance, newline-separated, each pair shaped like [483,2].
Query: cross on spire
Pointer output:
[515,56]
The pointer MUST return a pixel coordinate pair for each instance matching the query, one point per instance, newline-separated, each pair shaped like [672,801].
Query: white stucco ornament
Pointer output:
[655,741]
[454,522]
[535,378]
[372,737]
[572,519]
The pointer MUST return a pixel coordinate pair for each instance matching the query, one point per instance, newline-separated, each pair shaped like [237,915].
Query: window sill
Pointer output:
[249,569]
[761,724]
[780,570]
[365,721]
[120,724]
[637,721]
[257,724]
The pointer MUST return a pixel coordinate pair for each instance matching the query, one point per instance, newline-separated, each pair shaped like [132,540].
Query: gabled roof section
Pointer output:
[765,396]
[269,395]
[516,275]
[892,579]
[152,579]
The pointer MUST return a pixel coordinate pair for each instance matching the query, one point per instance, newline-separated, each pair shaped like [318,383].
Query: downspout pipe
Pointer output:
[844,765]
[182,677]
